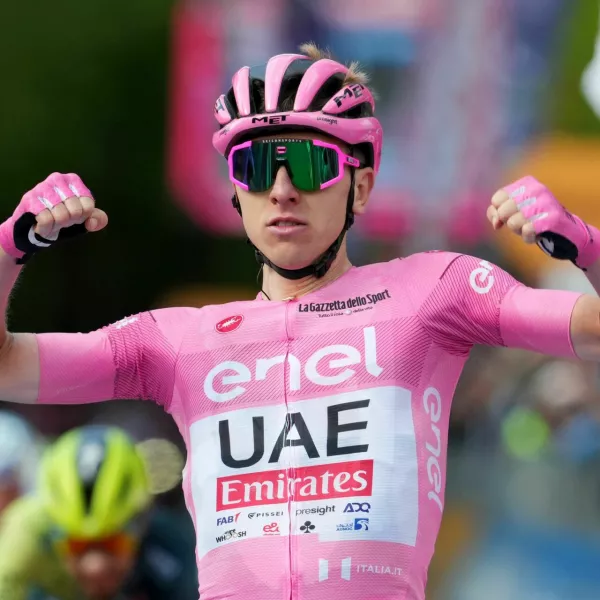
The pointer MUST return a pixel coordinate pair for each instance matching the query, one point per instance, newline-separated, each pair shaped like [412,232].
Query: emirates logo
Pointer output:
[229,324]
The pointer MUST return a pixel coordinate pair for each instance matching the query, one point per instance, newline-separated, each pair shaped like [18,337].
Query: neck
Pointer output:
[277,287]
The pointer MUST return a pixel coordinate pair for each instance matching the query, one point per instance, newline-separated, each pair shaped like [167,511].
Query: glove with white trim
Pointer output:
[59,208]
[528,208]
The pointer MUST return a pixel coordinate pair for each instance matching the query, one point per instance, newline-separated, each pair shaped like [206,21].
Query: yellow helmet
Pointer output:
[93,482]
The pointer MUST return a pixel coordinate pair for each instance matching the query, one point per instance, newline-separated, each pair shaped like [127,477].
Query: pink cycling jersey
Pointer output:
[316,428]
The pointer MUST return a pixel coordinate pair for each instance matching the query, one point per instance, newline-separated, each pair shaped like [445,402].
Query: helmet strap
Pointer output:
[323,263]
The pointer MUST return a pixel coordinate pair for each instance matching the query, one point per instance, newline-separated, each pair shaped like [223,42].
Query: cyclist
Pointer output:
[90,532]
[315,416]
[19,453]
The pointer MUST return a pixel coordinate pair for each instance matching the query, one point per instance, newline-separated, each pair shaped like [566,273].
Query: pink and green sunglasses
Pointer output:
[311,164]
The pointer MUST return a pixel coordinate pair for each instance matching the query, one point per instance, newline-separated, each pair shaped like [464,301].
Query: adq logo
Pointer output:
[357,507]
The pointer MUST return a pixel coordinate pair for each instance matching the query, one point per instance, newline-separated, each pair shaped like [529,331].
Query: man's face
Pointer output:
[100,566]
[293,227]
[100,574]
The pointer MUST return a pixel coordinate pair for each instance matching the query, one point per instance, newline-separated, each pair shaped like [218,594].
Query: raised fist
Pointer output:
[528,208]
[60,207]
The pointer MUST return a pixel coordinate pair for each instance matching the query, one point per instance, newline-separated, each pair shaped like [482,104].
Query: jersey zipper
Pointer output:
[290,467]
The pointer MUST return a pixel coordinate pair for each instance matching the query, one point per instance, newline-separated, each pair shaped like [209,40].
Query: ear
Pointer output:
[364,180]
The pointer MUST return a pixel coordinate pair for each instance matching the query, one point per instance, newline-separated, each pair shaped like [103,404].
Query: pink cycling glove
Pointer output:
[17,236]
[560,234]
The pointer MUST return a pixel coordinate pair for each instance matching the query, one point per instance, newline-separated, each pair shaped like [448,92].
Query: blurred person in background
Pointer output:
[90,532]
[19,454]
[311,411]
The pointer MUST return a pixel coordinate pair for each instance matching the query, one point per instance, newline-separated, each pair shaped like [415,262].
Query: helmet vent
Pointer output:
[90,458]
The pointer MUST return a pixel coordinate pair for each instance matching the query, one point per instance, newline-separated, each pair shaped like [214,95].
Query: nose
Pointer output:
[283,190]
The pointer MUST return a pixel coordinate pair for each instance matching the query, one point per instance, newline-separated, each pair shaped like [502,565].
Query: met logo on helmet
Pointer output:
[233,373]
[352,91]
[270,120]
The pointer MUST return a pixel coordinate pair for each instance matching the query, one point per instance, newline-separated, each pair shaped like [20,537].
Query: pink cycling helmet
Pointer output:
[348,115]
[325,99]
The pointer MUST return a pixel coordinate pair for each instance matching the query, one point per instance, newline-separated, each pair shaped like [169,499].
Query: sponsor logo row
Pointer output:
[350,507]
[304,526]
[357,524]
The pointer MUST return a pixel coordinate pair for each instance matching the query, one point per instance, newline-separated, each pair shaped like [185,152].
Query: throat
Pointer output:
[276,287]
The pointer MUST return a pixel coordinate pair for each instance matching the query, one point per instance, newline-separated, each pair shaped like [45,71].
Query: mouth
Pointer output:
[285,222]
[285,225]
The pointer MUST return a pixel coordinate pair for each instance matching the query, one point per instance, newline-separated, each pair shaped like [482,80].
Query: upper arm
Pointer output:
[464,305]
[134,359]
[19,369]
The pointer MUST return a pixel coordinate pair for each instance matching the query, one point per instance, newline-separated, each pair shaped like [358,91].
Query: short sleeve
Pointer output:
[476,302]
[134,358]
[463,308]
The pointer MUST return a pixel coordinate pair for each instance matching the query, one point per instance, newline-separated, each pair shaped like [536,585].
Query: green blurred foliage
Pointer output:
[570,111]
[85,90]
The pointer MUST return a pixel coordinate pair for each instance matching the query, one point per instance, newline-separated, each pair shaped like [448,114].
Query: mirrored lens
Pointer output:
[308,166]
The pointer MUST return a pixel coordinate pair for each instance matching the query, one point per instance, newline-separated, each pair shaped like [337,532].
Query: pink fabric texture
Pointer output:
[316,428]
[52,191]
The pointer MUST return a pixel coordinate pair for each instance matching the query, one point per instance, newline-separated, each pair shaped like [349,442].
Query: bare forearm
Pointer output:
[9,271]
[593,275]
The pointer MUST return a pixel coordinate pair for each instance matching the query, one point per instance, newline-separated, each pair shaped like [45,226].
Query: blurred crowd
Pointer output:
[472,94]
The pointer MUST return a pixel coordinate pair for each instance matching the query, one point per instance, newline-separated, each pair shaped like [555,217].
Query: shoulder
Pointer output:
[454,272]
[26,512]
[165,318]
[414,276]
[422,266]
[23,527]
